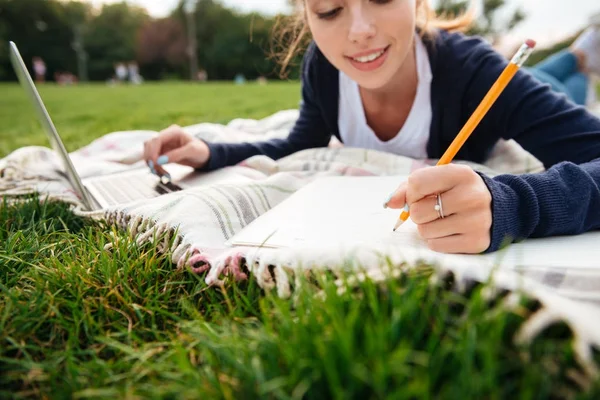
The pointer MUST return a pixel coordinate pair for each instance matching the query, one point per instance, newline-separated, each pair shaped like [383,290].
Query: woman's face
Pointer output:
[368,40]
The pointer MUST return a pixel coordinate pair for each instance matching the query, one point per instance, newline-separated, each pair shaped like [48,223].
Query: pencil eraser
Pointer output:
[530,43]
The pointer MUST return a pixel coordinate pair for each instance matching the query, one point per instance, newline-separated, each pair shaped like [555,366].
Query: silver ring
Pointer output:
[438,206]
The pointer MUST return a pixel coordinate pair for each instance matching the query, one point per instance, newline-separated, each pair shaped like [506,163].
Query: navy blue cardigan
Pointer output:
[563,200]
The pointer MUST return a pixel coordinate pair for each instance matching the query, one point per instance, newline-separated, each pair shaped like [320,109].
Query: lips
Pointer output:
[372,56]
[369,60]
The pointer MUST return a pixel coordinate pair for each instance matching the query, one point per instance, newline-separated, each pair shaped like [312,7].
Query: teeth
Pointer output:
[369,58]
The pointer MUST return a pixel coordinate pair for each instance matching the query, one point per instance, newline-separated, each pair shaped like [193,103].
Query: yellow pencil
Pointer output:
[490,98]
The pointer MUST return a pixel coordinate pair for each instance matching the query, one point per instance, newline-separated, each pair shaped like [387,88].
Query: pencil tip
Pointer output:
[398,224]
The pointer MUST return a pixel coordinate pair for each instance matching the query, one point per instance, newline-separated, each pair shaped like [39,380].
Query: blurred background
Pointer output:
[149,40]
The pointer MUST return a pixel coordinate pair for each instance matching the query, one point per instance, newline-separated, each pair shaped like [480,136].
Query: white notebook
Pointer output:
[345,211]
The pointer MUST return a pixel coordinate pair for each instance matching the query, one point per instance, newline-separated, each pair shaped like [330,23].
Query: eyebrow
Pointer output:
[314,2]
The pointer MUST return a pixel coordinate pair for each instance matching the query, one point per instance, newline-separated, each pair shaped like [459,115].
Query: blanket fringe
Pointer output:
[142,230]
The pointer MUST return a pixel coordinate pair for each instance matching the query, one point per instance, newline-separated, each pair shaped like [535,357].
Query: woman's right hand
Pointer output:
[173,145]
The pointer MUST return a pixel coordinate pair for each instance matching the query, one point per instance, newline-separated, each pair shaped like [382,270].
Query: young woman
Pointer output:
[388,75]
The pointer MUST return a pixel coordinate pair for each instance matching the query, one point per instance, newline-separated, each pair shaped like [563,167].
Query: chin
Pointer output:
[373,80]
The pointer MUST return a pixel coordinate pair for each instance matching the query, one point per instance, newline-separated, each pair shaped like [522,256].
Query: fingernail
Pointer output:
[162,160]
[388,199]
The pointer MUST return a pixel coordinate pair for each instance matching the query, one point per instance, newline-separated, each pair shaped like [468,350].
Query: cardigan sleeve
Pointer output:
[309,130]
[564,199]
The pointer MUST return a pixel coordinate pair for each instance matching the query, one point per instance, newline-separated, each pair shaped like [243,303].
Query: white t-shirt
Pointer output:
[412,139]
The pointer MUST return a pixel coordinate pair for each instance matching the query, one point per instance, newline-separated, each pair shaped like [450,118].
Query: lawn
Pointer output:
[87,112]
[80,322]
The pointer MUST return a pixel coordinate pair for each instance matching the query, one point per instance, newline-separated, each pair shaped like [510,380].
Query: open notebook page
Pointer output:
[344,211]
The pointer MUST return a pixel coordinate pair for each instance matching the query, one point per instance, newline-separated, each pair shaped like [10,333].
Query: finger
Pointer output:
[432,180]
[148,147]
[147,157]
[452,202]
[178,155]
[461,243]
[166,138]
[423,211]
[169,137]
[151,148]
[173,132]
[455,224]
[396,199]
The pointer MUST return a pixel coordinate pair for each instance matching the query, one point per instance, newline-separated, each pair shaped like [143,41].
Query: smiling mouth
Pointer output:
[370,57]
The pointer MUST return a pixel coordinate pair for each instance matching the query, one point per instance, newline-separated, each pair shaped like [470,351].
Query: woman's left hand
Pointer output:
[466,207]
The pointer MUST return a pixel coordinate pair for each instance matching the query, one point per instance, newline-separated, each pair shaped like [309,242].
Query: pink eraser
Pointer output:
[530,43]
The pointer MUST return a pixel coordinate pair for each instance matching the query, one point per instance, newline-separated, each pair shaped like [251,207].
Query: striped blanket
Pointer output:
[193,225]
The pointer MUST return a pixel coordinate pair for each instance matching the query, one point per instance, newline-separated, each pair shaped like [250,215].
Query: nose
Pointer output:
[361,25]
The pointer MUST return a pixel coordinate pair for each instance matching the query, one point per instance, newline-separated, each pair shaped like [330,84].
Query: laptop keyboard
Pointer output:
[131,187]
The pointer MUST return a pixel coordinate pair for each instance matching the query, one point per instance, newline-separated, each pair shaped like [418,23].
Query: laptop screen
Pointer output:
[55,140]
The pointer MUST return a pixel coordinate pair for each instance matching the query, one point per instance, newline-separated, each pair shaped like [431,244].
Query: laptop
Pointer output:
[107,190]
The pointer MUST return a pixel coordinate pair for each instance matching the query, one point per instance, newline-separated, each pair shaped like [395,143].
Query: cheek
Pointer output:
[331,42]
[399,25]
[325,42]
[401,34]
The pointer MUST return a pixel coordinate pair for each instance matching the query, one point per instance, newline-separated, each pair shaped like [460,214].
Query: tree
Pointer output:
[228,42]
[39,28]
[71,36]
[111,37]
[161,47]
[78,15]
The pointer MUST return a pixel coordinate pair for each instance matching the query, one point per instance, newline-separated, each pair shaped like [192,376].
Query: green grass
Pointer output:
[87,112]
[80,322]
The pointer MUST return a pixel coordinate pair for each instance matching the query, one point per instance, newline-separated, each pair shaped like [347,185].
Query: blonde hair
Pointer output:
[293,35]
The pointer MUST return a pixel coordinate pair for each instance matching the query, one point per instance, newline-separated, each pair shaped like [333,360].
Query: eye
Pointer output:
[330,14]
[381,1]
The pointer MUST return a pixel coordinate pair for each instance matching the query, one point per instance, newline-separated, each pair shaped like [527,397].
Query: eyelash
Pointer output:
[333,13]
[329,14]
